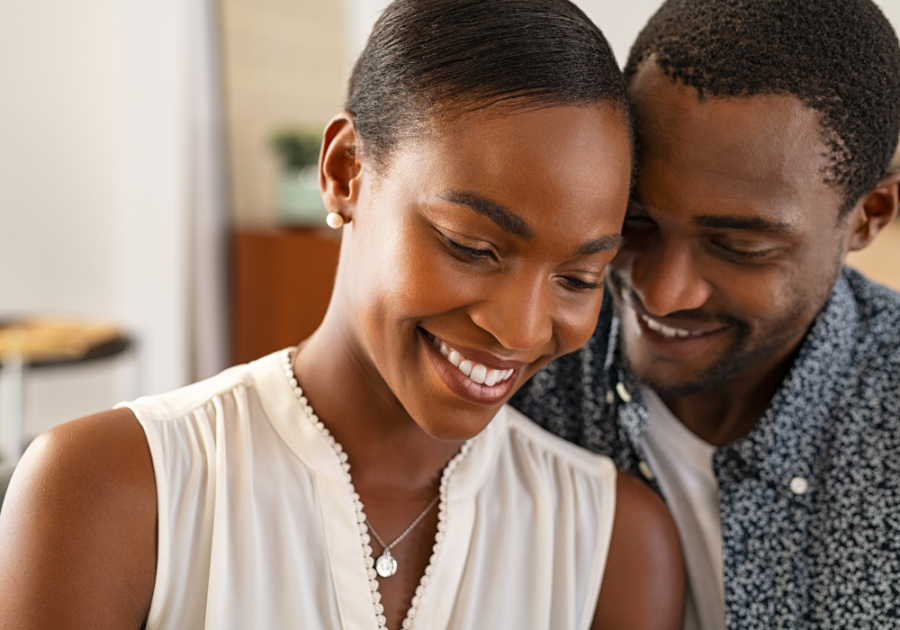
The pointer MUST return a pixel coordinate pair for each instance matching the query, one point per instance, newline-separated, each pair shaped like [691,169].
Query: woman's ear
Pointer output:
[876,210]
[339,166]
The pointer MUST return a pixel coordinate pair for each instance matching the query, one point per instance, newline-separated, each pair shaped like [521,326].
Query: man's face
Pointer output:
[733,240]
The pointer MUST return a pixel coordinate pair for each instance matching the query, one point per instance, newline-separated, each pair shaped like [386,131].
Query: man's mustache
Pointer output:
[629,297]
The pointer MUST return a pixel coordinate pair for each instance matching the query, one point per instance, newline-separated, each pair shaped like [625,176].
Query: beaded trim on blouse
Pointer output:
[361,517]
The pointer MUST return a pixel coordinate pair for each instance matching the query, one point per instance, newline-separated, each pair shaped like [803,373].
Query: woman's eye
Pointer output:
[581,285]
[471,252]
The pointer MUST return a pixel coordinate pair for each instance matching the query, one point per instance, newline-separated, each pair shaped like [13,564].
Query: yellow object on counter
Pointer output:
[41,339]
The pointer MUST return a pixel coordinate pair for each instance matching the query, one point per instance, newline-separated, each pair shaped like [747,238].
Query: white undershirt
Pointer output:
[682,463]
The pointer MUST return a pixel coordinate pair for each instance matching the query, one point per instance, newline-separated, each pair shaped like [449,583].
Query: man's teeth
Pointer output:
[667,331]
[475,371]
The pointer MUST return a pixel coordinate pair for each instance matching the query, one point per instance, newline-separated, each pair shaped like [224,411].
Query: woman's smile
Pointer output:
[481,379]
[480,247]
[478,372]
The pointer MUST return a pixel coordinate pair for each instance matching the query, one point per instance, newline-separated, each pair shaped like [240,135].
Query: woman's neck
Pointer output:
[388,451]
[395,466]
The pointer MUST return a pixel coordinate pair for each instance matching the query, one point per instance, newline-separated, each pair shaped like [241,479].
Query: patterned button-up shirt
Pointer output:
[810,499]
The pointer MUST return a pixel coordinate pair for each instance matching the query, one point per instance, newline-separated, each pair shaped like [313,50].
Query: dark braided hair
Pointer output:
[839,57]
[427,58]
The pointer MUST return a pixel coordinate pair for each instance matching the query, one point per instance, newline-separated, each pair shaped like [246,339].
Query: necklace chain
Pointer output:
[408,529]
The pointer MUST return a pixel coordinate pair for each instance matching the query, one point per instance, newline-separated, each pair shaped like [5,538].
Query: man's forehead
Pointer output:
[754,146]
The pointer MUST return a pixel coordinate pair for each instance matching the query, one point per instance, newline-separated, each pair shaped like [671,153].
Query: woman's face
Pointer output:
[478,254]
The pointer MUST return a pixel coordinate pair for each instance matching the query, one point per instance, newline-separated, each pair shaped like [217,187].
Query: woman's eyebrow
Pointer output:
[496,212]
[603,244]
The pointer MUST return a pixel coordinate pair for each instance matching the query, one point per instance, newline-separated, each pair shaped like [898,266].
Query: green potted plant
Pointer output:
[299,200]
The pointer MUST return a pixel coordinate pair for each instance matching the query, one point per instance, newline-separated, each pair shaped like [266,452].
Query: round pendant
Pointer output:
[386,565]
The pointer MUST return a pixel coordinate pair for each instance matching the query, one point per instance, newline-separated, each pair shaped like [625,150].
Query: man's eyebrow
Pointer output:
[749,224]
[607,243]
[496,212]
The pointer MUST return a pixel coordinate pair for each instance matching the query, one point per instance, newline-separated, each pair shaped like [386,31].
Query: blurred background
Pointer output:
[153,178]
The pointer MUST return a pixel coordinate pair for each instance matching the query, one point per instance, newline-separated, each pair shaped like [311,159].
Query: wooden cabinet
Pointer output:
[281,281]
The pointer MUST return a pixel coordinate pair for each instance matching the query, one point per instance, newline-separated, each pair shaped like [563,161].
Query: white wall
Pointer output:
[620,21]
[60,136]
[891,9]
[153,233]
[60,152]
[94,187]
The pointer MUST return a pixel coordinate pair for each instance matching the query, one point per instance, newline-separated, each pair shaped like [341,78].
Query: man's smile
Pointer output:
[668,331]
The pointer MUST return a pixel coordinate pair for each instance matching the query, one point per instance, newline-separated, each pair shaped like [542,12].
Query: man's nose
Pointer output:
[518,312]
[669,278]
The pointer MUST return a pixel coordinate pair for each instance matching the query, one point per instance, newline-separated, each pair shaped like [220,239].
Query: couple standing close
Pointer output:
[374,477]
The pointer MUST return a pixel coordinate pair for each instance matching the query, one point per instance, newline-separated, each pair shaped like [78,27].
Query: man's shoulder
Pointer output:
[877,352]
[861,378]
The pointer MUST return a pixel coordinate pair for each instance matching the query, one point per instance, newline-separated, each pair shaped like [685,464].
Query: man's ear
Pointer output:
[874,211]
[339,167]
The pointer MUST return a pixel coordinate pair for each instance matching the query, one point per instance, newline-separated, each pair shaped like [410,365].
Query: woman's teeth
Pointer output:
[668,331]
[475,371]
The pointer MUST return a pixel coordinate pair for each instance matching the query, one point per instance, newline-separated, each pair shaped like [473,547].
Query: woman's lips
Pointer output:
[478,379]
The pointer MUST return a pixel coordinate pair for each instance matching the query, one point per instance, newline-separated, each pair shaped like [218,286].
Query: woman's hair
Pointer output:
[426,58]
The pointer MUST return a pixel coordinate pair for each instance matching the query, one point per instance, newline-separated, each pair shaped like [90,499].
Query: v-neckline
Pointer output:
[351,565]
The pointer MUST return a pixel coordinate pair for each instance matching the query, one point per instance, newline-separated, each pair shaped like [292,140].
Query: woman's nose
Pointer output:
[518,313]
[668,278]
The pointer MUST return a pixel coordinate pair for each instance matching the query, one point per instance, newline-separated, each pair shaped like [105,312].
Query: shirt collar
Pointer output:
[624,389]
[785,442]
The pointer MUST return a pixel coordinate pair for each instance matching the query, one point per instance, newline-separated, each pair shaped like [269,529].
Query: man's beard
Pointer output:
[731,363]
[742,353]
[739,356]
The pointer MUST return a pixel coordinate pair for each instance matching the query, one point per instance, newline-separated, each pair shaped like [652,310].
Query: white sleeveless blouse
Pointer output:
[258,527]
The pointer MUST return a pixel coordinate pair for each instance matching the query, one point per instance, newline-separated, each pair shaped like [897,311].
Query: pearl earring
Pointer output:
[334,220]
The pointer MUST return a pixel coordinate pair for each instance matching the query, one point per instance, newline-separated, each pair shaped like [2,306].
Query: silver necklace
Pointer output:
[287,365]
[386,565]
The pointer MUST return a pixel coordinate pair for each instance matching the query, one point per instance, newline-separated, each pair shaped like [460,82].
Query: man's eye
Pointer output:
[742,254]
[469,251]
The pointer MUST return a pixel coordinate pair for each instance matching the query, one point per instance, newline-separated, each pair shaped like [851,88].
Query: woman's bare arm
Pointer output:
[78,529]
[643,586]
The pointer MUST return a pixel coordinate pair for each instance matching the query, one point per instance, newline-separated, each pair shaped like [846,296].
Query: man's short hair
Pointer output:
[839,57]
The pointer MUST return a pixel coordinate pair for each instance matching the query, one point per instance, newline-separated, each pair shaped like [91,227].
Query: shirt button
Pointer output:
[610,397]
[623,393]
[645,471]
[799,485]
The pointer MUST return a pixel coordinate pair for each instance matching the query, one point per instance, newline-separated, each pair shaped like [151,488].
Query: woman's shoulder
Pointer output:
[184,401]
[527,434]
[643,585]
[78,527]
